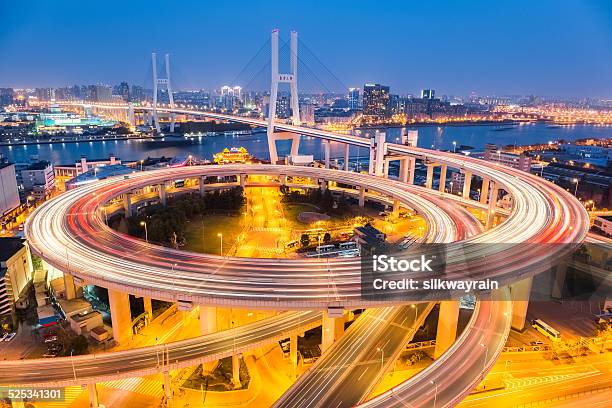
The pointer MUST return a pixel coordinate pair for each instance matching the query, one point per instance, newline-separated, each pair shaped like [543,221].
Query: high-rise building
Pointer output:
[6,96]
[104,93]
[494,153]
[376,101]
[353,98]
[428,94]
[283,110]
[137,94]
[124,91]
[38,178]
[15,276]
[9,193]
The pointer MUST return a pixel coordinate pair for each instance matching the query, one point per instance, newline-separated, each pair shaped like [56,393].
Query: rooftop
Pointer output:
[9,246]
[40,165]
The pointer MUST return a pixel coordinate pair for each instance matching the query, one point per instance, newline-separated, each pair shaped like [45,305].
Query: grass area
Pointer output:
[201,233]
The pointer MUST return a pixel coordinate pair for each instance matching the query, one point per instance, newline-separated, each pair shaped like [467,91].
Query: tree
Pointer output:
[78,345]
[327,237]
[305,240]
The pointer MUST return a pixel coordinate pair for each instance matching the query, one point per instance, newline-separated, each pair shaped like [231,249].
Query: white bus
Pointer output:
[545,329]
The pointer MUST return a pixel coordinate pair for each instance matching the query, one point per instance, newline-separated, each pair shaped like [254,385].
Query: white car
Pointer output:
[10,336]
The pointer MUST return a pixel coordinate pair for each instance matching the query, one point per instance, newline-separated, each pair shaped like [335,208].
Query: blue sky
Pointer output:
[490,47]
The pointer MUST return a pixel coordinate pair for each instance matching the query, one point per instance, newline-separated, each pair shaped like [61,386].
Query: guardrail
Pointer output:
[563,397]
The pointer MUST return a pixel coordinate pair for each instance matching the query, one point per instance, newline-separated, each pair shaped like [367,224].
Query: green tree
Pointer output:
[327,237]
[305,240]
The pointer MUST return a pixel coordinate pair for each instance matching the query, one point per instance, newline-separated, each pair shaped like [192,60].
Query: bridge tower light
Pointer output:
[278,78]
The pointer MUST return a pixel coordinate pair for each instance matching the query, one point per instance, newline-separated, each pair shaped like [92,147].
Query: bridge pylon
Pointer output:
[166,83]
[291,79]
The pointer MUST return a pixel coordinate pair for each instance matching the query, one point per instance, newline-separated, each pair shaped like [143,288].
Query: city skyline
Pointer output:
[460,48]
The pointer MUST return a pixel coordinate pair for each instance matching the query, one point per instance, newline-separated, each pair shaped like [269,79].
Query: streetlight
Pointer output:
[415,312]
[454,147]
[478,194]
[144,224]
[220,235]
[576,189]
[484,363]
[382,357]
[435,384]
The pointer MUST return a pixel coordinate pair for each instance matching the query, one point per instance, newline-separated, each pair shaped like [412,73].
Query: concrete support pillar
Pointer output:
[467,184]
[293,354]
[148,307]
[404,169]
[386,168]
[295,145]
[202,186]
[208,319]
[396,207]
[447,326]
[327,146]
[361,196]
[430,171]
[121,317]
[242,178]
[283,179]
[167,385]
[519,292]
[236,370]
[93,395]
[442,185]
[412,170]
[380,153]
[484,191]
[332,329]
[323,184]
[346,156]
[70,289]
[559,280]
[127,204]
[372,157]
[492,205]
[162,193]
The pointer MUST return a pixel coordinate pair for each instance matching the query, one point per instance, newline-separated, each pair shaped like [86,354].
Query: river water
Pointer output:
[439,137]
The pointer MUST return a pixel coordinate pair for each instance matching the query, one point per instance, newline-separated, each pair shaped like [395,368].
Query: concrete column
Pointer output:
[208,319]
[236,370]
[346,156]
[332,329]
[519,292]
[559,280]
[167,385]
[430,170]
[492,205]
[127,204]
[467,184]
[202,186]
[148,307]
[242,178]
[69,287]
[386,168]
[361,196]
[404,169]
[372,157]
[283,179]
[412,170]
[447,326]
[327,146]
[442,185]
[93,395]
[295,145]
[396,207]
[121,317]
[484,191]
[323,184]
[162,193]
[381,147]
[293,354]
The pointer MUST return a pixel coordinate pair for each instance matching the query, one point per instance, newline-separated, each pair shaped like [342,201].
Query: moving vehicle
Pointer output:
[545,329]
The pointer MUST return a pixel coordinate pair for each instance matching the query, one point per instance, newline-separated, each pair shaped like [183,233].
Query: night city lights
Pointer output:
[306,204]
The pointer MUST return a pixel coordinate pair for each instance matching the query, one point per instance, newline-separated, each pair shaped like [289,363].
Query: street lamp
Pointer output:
[144,224]
[454,147]
[435,384]
[576,189]
[484,363]
[415,312]
[478,194]
[382,357]
[220,235]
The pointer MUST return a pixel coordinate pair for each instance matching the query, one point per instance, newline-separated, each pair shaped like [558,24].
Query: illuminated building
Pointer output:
[428,94]
[376,101]
[15,276]
[353,98]
[124,91]
[9,193]
[38,178]
[233,155]
[493,153]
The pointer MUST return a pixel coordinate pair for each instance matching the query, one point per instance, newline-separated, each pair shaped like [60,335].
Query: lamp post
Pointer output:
[415,312]
[435,384]
[454,146]
[382,357]
[576,189]
[220,235]
[144,224]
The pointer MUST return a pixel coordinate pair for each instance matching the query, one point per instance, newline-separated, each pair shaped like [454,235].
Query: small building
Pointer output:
[47,316]
[369,236]
[98,173]
[83,323]
[495,154]
[604,224]
[39,179]
[99,333]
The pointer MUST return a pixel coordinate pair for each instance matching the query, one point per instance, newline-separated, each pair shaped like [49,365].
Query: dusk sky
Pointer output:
[551,48]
